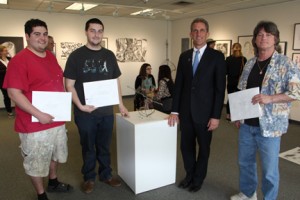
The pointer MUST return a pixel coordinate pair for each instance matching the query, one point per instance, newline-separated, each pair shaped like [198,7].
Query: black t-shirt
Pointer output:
[86,65]
[255,79]
[234,67]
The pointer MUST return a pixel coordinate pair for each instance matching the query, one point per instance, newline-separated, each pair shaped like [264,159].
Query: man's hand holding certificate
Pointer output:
[101,93]
[241,106]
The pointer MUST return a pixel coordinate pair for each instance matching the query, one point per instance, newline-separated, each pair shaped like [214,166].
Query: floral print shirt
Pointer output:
[282,77]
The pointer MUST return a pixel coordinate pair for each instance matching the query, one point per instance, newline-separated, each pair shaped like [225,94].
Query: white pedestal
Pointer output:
[146,150]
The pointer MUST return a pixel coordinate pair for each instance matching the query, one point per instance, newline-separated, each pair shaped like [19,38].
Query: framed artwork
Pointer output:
[224,46]
[185,44]
[296,44]
[13,44]
[282,47]
[247,48]
[104,42]
[296,58]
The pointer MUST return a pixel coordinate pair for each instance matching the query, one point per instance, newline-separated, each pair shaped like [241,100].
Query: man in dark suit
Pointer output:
[197,103]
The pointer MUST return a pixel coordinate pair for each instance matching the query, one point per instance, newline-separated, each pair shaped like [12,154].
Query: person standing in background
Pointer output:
[43,143]
[211,43]
[4,59]
[279,81]
[90,63]
[197,102]
[51,44]
[234,65]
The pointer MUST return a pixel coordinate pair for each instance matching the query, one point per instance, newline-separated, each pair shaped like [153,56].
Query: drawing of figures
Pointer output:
[131,49]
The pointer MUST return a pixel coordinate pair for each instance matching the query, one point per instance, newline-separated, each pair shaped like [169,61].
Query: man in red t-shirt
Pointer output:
[43,143]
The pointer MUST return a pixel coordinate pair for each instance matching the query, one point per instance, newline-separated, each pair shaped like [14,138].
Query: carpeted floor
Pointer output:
[221,181]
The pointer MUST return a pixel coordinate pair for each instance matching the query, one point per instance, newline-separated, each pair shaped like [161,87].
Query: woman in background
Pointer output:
[235,64]
[4,59]
[163,96]
[144,84]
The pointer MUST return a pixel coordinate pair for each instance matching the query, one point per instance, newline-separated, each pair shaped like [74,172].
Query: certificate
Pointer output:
[57,104]
[101,93]
[240,105]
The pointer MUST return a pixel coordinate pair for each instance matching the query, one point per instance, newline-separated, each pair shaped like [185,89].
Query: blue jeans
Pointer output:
[95,139]
[251,140]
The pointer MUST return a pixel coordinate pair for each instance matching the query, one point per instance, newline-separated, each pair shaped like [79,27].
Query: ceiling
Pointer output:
[162,9]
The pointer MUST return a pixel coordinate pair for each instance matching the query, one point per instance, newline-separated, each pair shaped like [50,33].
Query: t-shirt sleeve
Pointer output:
[70,68]
[16,75]
[117,71]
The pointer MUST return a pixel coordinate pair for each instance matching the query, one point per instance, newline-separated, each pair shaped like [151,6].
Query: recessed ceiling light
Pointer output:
[3,1]
[142,11]
[80,6]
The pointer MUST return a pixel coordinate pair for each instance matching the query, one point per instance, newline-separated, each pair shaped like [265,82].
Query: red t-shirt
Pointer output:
[28,72]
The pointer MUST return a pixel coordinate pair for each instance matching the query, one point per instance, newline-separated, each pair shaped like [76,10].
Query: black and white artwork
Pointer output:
[247,48]
[224,46]
[131,50]
[67,48]
[13,44]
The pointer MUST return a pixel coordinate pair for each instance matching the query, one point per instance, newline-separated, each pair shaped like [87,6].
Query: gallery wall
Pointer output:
[224,26]
[230,25]
[70,28]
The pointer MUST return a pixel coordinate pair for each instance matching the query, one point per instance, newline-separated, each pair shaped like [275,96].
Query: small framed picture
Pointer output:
[247,47]
[296,58]
[296,44]
[185,44]
[224,46]
[104,42]
[282,47]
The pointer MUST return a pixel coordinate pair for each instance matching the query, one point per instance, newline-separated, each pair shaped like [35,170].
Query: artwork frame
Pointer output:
[224,46]
[13,44]
[247,47]
[296,40]
[185,44]
[283,47]
[296,58]
[104,42]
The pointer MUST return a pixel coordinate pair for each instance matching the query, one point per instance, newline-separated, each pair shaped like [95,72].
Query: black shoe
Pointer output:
[195,188]
[184,183]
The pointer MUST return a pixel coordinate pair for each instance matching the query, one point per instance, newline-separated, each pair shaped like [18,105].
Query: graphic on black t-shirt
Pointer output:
[93,66]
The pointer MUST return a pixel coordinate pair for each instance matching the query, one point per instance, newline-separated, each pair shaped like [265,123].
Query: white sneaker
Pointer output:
[241,196]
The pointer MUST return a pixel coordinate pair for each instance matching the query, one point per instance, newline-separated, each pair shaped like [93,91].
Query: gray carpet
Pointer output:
[221,181]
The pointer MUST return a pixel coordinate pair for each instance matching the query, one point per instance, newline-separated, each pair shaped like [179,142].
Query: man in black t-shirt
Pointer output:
[86,64]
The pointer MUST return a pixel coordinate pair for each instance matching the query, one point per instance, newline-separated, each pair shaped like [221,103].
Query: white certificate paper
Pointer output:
[101,93]
[57,104]
[241,106]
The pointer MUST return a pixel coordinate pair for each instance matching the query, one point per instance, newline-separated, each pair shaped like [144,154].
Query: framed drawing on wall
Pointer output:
[296,44]
[185,44]
[247,48]
[13,44]
[282,47]
[104,42]
[224,46]
[296,58]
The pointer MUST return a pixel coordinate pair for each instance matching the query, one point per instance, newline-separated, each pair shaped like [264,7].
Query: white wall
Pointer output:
[224,26]
[230,25]
[70,28]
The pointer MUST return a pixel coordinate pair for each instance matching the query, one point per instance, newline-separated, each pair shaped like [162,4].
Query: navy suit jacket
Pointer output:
[202,95]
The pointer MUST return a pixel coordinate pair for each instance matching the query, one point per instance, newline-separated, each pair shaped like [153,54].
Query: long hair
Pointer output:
[164,72]
[269,27]
[143,70]
[237,53]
